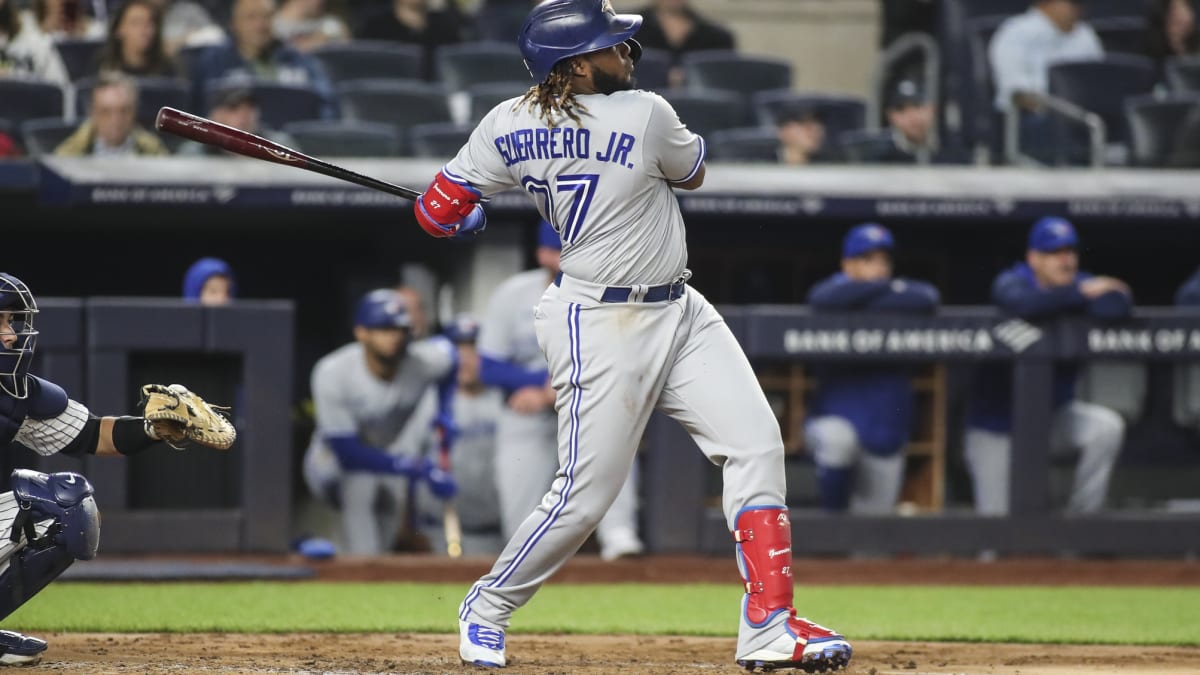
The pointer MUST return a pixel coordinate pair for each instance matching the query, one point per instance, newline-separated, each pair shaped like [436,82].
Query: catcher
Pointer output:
[48,521]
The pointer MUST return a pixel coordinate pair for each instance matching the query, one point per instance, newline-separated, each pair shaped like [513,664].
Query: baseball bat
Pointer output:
[450,523]
[208,132]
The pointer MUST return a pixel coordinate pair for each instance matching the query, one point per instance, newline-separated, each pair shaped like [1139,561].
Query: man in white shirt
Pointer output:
[1021,53]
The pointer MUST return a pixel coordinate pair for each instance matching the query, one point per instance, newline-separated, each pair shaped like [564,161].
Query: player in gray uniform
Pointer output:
[621,330]
[370,431]
[526,441]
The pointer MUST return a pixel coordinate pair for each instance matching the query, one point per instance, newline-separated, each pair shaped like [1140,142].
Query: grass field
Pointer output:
[1079,615]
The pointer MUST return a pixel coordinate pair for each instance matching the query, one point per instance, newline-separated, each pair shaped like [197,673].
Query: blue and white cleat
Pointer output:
[481,646]
[803,645]
[20,650]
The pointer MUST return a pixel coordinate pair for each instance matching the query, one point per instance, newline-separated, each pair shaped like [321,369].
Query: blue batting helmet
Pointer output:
[559,29]
[464,328]
[18,303]
[382,308]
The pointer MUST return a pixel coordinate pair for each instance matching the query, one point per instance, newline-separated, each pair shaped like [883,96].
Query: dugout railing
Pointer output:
[674,469]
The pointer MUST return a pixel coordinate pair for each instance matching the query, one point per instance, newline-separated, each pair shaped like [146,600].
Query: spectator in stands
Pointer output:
[306,25]
[862,414]
[134,45]
[1189,292]
[187,23]
[1021,53]
[237,108]
[209,282]
[66,19]
[413,22]
[673,26]
[1172,31]
[253,53]
[1047,285]
[27,52]
[802,138]
[111,129]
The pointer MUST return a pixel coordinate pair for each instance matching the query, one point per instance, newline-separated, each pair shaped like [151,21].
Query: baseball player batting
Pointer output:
[621,330]
[48,521]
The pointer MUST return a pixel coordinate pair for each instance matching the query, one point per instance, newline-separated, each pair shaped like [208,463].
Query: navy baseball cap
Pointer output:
[547,236]
[863,239]
[1052,234]
[464,328]
[382,308]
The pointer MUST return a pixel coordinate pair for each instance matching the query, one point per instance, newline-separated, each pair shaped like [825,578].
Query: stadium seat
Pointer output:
[340,138]
[41,136]
[981,121]
[1122,34]
[706,112]
[462,65]
[1102,87]
[652,71]
[1155,124]
[278,104]
[485,96]
[80,56]
[1183,74]
[439,140]
[859,146]
[362,59]
[399,103]
[153,93]
[727,70]
[752,144]
[22,100]
[838,112]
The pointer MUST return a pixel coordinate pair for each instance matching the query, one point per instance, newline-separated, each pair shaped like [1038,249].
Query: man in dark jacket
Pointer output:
[862,414]
[1047,285]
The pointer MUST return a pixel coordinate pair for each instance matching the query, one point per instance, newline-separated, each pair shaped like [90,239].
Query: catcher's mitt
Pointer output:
[175,415]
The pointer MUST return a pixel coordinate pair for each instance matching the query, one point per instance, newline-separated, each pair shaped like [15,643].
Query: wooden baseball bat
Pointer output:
[450,522]
[204,130]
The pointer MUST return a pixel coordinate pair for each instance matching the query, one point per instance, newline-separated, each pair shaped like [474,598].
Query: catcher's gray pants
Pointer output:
[1095,431]
[611,364]
[877,480]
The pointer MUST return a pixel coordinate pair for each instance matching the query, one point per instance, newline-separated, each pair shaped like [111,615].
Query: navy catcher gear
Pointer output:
[463,329]
[560,29]
[66,498]
[382,308]
[15,356]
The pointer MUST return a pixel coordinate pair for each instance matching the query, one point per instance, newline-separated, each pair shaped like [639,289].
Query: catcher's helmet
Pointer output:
[18,302]
[464,328]
[558,29]
[382,308]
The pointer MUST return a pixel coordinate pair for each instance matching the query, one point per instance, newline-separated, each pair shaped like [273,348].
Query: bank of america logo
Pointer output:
[1017,335]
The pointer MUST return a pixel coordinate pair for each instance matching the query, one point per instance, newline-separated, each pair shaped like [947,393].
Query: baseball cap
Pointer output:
[464,328]
[1052,234]
[547,236]
[862,239]
[906,92]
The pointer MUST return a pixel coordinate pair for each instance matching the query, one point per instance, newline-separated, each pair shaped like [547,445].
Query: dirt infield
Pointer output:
[362,654]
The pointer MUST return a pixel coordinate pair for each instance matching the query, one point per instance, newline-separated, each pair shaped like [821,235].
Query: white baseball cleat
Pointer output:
[20,650]
[802,645]
[480,645]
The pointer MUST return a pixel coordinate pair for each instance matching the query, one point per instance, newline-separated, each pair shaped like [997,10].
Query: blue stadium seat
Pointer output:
[1102,87]
[362,59]
[399,103]
[439,140]
[751,144]
[838,112]
[1155,124]
[706,112]
[344,138]
[485,96]
[1183,74]
[153,93]
[41,136]
[461,65]
[80,56]
[652,70]
[728,70]
[22,100]
[278,104]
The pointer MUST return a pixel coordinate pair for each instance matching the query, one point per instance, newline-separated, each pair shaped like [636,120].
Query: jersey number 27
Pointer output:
[573,194]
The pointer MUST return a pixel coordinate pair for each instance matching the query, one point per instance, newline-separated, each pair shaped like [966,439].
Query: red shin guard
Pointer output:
[764,543]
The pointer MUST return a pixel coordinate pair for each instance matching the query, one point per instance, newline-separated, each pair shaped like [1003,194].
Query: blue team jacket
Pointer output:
[1017,293]
[877,400]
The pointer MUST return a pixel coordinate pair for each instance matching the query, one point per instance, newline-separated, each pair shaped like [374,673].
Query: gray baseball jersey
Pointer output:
[506,332]
[603,185]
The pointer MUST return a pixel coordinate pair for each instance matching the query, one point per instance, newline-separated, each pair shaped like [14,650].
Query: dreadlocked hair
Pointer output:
[554,96]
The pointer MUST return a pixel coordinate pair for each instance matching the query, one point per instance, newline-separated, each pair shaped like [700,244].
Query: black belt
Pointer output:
[663,293]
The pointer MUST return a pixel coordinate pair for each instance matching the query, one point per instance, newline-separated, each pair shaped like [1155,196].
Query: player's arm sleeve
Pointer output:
[1189,292]
[65,432]
[510,376]
[906,295]
[479,162]
[497,333]
[838,292]
[1110,305]
[670,150]
[1015,295]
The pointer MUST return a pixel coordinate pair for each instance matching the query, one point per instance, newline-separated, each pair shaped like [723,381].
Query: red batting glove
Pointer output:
[442,207]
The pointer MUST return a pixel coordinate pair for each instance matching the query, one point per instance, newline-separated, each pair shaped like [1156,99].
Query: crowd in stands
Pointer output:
[1059,82]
